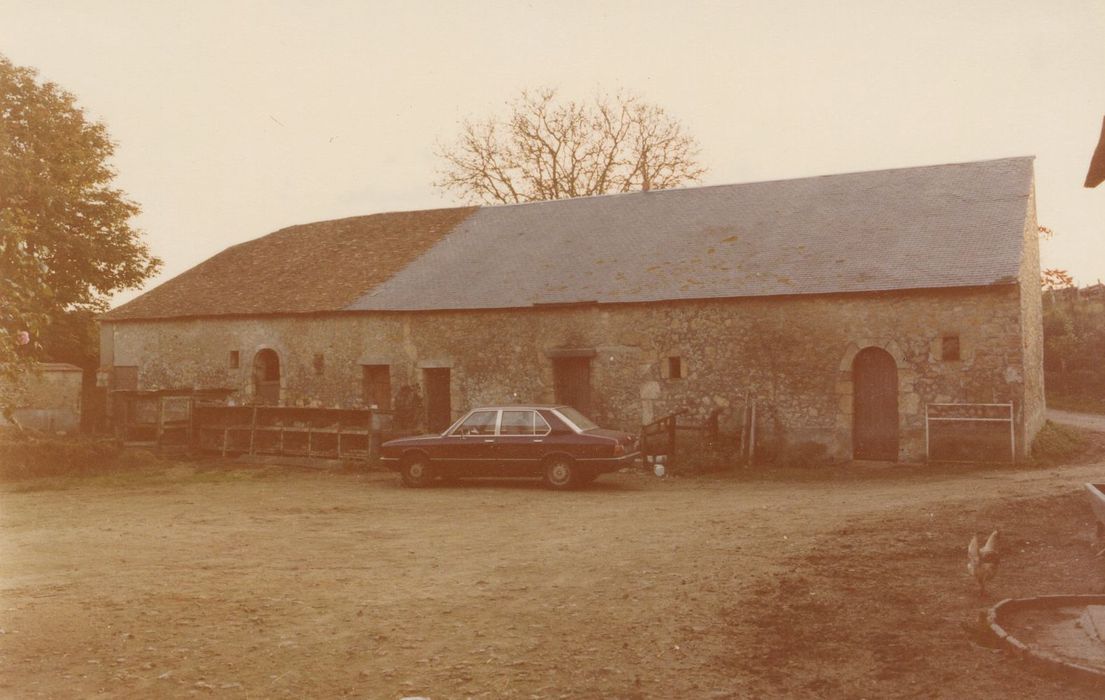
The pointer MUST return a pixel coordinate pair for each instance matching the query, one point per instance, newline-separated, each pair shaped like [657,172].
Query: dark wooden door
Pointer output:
[439,402]
[572,382]
[266,377]
[875,405]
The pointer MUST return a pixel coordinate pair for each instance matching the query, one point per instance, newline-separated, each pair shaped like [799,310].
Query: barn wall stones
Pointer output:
[791,355]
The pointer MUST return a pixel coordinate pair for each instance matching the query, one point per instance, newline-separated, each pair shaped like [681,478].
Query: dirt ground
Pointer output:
[209,579]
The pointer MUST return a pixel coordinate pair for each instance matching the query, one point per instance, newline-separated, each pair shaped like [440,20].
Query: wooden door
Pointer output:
[875,405]
[439,401]
[572,382]
[266,377]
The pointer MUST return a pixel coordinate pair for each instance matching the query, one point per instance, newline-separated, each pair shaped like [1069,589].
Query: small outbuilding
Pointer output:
[47,398]
[851,310]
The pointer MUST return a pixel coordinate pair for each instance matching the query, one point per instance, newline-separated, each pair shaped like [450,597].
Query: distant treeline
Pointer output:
[1074,347]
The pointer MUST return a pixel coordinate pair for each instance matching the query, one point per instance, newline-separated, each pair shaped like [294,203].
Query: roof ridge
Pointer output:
[744,183]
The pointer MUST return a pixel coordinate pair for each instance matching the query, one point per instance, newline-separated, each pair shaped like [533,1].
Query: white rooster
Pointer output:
[982,563]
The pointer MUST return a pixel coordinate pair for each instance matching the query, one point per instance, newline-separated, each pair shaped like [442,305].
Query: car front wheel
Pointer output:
[560,473]
[416,472]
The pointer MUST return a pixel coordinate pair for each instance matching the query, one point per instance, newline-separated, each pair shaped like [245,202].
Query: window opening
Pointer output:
[949,348]
[126,378]
[675,367]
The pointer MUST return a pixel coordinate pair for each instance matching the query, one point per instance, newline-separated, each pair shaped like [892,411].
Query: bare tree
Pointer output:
[1053,278]
[552,149]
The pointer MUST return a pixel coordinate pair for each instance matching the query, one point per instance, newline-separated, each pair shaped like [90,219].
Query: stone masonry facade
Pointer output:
[791,355]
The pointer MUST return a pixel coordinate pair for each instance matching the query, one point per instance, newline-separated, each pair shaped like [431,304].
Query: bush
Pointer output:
[1057,443]
[25,455]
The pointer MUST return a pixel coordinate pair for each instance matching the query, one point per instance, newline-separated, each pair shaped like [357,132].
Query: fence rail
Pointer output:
[938,415]
[288,431]
[661,435]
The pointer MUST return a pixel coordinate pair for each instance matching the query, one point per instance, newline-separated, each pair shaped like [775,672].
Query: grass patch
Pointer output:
[1055,444]
[140,469]
[27,454]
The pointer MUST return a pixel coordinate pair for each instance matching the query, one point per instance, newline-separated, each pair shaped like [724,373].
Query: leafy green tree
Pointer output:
[66,241]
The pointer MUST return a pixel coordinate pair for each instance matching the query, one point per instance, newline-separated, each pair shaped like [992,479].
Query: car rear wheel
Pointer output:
[416,472]
[560,473]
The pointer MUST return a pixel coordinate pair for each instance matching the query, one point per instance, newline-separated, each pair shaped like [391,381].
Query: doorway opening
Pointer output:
[439,401]
[266,377]
[874,405]
[572,382]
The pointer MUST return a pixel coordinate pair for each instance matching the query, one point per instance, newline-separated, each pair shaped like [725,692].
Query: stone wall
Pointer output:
[792,356]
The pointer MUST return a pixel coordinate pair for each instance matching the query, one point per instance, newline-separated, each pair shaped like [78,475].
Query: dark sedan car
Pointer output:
[556,443]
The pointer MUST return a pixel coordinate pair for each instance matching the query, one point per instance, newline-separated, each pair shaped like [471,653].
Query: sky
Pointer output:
[236,118]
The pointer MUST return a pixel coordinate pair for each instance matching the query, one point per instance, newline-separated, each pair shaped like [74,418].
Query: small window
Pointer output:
[376,386]
[949,348]
[479,423]
[675,367]
[319,363]
[235,359]
[517,423]
[523,423]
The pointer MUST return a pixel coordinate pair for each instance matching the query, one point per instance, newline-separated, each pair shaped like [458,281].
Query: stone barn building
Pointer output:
[840,305]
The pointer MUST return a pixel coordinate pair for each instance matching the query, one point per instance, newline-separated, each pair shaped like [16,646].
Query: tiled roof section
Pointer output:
[926,227]
[322,266]
[1096,174]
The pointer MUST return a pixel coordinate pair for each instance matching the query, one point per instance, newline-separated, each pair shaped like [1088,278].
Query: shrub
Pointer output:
[25,455]
[1057,443]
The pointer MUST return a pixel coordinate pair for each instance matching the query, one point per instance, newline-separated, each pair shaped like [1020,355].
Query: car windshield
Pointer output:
[582,421]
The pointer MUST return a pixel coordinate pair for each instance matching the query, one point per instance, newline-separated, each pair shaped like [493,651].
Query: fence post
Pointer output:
[752,436]
[372,446]
[160,420]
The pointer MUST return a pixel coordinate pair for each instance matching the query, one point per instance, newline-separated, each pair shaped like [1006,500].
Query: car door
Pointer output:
[471,444]
[520,445]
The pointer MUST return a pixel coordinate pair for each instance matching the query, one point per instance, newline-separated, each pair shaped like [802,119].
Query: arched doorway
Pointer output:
[874,405]
[266,377]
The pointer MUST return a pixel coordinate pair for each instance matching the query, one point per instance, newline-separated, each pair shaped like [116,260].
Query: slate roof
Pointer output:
[911,228]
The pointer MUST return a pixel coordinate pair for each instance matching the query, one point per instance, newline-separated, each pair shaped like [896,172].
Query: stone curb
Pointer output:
[1042,658]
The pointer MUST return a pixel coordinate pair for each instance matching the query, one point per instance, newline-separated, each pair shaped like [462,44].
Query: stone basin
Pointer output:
[1063,632]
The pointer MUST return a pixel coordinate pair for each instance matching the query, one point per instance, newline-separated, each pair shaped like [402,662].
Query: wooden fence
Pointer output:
[661,437]
[289,431]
